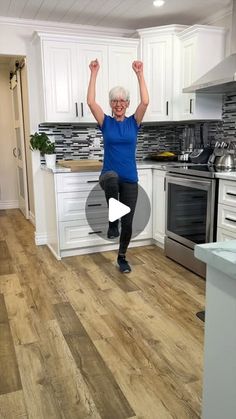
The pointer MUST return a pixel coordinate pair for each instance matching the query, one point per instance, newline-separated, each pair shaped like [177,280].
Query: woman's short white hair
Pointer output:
[118,92]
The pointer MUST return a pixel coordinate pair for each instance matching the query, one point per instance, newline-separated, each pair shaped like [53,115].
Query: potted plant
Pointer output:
[42,143]
[50,155]
[39,142]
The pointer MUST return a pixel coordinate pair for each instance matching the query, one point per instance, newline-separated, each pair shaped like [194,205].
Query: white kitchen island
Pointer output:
[219,381]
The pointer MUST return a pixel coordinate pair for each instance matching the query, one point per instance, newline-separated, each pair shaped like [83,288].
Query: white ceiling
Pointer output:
[125,14]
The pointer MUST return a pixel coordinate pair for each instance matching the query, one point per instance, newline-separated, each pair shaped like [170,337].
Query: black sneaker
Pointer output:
[112,232]
[123,264]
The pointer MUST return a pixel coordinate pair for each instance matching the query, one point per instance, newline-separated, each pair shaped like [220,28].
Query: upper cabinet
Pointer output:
[65,79]
[201,48]
[120,59]
[157,49]
[64,68]
[175,56]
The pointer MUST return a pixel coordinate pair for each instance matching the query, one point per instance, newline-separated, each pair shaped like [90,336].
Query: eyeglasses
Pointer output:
[121,101]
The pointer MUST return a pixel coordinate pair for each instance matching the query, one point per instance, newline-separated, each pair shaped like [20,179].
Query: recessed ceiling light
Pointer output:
[158,3]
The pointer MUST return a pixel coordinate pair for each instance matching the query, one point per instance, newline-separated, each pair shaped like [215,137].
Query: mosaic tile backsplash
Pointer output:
[79,142]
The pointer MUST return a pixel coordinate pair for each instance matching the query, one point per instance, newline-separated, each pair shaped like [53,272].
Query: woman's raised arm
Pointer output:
[91,94]
[144,97]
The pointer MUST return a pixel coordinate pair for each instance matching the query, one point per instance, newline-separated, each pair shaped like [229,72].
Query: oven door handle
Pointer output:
[203,184]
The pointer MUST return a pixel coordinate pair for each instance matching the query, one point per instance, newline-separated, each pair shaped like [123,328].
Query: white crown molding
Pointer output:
[161,29]
[52,36]
[67,27]
[194,29]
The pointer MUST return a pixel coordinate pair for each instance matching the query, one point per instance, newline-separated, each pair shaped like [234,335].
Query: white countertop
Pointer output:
[146,164]
[226,175]
[219,255]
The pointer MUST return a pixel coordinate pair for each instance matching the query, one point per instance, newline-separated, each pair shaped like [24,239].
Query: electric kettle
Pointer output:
[227,161]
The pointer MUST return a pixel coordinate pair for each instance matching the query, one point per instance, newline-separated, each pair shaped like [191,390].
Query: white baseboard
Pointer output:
[32,218]
[9,204]
[40,238]
[53,252]
[102,248]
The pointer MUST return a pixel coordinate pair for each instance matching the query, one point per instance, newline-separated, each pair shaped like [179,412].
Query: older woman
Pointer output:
[119,176]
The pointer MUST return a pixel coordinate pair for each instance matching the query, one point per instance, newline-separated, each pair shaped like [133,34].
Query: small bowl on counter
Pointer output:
[162,156]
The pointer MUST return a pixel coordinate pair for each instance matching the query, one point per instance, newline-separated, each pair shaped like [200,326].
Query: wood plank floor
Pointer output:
[80,340]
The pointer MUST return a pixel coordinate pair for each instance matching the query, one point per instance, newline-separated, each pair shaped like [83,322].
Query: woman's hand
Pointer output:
[94,66]
[137,67]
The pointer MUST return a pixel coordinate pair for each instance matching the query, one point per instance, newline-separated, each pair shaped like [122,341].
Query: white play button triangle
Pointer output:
[117,210]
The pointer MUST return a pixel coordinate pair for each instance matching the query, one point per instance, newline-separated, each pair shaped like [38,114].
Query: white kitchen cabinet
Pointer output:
[60,81]
[73,206]
[120,59]
[226,221]
[159,206]
[143,206]
[201,48]
[69,231]
[64,64]
[157,52]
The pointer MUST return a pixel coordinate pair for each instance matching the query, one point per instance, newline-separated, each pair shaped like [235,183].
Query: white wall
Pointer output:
[226,22]
[8,179]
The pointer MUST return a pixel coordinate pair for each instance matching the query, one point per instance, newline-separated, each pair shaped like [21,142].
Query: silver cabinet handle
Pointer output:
[231,193]
[82,109]
[95,232]
[94,205]
[76,109]
[230,219]
[191,106]
[167,108]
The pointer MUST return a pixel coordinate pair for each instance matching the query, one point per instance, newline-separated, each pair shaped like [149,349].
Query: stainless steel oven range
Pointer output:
[191,213]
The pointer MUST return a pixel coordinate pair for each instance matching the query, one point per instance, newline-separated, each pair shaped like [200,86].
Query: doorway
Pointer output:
[16,137]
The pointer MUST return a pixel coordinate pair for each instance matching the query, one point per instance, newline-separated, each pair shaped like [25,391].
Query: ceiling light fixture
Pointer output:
[158,3]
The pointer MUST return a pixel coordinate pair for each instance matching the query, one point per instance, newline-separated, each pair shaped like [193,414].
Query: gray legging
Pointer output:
[127,193]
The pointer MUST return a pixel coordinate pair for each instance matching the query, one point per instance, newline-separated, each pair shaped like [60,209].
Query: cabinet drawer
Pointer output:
[225,235]
[227,217]
[75,205]
[227,192]
[72,182]
[73,235]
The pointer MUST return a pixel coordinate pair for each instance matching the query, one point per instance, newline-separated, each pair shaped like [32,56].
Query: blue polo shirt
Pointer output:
[120,140]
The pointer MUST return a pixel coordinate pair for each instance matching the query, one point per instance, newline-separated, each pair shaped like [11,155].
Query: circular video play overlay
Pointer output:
[97,213]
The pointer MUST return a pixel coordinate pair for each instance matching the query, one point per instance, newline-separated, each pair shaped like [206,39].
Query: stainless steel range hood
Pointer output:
[221,78]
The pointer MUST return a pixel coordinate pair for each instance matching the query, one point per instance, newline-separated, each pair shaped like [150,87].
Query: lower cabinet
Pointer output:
[142,222]
[158,206]
[78,220]
[226,222]
[81,210]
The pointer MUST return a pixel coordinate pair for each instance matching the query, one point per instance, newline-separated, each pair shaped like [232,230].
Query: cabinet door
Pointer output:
[60,81]
[188,76]
[87,53]
[121,72]
[157,57]
[198,105]
[143,206]
[225,235]
[159,205]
